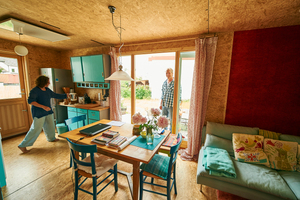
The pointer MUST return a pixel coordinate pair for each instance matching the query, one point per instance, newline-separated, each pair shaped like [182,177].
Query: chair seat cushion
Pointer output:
[103,164]
[157,166]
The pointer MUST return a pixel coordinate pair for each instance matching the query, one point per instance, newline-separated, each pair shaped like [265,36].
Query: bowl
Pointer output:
[143,134]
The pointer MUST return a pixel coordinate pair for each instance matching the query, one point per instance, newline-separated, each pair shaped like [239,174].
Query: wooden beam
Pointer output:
[132,87]
[176,93]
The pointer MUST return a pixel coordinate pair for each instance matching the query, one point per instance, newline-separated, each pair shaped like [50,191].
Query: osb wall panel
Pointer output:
[38,57]
[65,61]
[217,100]
[159,47]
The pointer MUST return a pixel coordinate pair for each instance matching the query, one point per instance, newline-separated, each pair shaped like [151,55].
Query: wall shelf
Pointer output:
[93,85]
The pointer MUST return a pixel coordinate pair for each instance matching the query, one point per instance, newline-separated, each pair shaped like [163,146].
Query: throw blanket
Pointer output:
[218,163]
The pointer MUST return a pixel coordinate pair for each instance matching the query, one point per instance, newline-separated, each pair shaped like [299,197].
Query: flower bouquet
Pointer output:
[152,123]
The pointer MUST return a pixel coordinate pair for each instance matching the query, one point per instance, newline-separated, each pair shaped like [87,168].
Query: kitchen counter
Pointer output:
[89,106]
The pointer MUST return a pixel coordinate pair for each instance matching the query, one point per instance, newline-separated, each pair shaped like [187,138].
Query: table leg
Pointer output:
[136,180]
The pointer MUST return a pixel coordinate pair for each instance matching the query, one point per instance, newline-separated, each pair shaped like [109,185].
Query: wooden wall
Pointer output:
[39,57]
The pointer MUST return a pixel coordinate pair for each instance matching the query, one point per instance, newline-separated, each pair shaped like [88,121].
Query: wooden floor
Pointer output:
[44,173]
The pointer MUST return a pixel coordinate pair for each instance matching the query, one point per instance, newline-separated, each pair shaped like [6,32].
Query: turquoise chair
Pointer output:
[73,120]
[161,167]
[80,174]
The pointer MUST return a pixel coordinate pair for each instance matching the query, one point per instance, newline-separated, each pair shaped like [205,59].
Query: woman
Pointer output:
[42,113]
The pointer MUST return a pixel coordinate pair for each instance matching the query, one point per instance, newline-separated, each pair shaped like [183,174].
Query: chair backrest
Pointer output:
[173,152]
[72,120]
[91,149]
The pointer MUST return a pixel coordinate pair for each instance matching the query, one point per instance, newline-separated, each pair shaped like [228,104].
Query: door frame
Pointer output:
[24,84]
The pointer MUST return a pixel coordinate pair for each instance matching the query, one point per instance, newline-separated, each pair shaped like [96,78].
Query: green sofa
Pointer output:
[253,181]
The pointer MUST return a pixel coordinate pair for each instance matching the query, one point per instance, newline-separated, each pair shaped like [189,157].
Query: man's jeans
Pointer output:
[169,113]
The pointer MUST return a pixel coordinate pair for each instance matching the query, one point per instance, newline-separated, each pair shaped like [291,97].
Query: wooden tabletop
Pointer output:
[89,106]
[128,154]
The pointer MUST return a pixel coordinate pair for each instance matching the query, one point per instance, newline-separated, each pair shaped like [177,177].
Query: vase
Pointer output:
[136,129]
[149,136]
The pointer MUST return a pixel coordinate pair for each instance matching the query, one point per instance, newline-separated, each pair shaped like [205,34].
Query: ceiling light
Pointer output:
[32,30]
[120,74]
[20,49]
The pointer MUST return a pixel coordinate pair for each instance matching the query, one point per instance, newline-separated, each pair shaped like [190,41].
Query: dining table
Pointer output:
[134,155]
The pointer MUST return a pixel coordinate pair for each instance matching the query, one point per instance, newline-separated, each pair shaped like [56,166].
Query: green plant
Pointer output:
[143,92]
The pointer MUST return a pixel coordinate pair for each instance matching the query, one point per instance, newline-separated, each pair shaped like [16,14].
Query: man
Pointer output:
[166,104]
[42,113]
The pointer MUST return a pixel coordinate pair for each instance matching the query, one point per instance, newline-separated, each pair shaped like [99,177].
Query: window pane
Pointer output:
[150,75]
[9,78]
[187,68]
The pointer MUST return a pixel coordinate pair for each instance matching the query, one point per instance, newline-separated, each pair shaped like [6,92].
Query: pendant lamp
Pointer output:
[119,75]
[20,49]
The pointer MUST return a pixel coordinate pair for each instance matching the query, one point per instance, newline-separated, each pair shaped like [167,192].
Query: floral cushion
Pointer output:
[248,148]
[282,154]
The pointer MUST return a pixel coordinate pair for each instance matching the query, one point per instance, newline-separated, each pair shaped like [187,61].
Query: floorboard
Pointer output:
[44,173]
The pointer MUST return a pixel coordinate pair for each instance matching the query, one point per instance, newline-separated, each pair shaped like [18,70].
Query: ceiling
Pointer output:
[143,20]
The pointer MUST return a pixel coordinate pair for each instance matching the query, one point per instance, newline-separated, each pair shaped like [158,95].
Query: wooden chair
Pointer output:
[73,120]
[161,167]
[88,168]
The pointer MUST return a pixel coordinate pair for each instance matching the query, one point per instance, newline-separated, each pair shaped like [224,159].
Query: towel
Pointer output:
[218,162]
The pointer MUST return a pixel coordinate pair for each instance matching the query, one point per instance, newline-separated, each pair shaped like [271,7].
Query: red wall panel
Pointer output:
[264,83]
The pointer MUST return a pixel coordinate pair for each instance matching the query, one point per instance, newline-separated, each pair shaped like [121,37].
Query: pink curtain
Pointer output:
[115,89]
[204,62]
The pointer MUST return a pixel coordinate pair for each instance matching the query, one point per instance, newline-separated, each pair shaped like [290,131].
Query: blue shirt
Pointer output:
[43,98]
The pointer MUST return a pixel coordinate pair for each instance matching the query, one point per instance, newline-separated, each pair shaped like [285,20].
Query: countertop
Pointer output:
[89,106]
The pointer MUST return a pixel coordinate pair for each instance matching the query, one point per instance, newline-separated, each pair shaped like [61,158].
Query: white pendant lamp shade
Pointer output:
[119,75]
[21,50]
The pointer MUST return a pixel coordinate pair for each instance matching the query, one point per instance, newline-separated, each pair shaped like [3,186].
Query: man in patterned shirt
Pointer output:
[166,104]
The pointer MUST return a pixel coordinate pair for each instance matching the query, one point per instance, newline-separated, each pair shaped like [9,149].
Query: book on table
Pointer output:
[110,133]
[117,141]
[103,139]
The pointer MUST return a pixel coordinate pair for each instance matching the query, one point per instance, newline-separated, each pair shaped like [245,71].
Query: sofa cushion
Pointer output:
[217,142]
[248,148]
[225,131]
[293,180]
[257,177]
[281,154]
[291,138]
[269,134]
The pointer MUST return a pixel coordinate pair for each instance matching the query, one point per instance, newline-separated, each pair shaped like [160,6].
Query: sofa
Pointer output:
[252,181]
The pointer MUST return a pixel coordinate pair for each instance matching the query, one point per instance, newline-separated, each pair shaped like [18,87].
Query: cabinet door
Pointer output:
[76,69]
[82,112]
[93,68]
[70,115]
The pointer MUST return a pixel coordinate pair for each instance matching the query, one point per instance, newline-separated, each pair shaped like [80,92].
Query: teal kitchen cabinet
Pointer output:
[72,112]
[82,112]
[93,68]
[77,72]
[94,116]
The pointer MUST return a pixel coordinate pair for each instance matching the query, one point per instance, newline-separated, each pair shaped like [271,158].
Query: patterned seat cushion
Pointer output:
[248,148]
[269,134]
[282,154]
[157,166]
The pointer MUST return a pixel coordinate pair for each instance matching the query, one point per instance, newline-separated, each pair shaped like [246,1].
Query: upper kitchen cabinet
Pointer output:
[93,68]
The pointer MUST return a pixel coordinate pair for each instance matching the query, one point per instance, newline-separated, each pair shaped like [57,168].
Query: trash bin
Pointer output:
[61,128]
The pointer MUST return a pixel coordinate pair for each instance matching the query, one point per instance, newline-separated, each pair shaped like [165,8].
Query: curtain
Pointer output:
[202,75]
[115,89]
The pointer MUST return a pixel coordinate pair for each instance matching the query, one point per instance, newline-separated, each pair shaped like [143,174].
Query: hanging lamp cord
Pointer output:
[119,31]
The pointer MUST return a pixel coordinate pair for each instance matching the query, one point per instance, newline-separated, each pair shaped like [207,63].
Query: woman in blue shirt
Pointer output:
[42,113]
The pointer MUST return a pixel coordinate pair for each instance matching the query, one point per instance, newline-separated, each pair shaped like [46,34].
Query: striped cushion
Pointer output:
[157,166]
[269,134]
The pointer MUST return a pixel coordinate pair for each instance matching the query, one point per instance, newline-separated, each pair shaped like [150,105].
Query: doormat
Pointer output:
[227,196]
